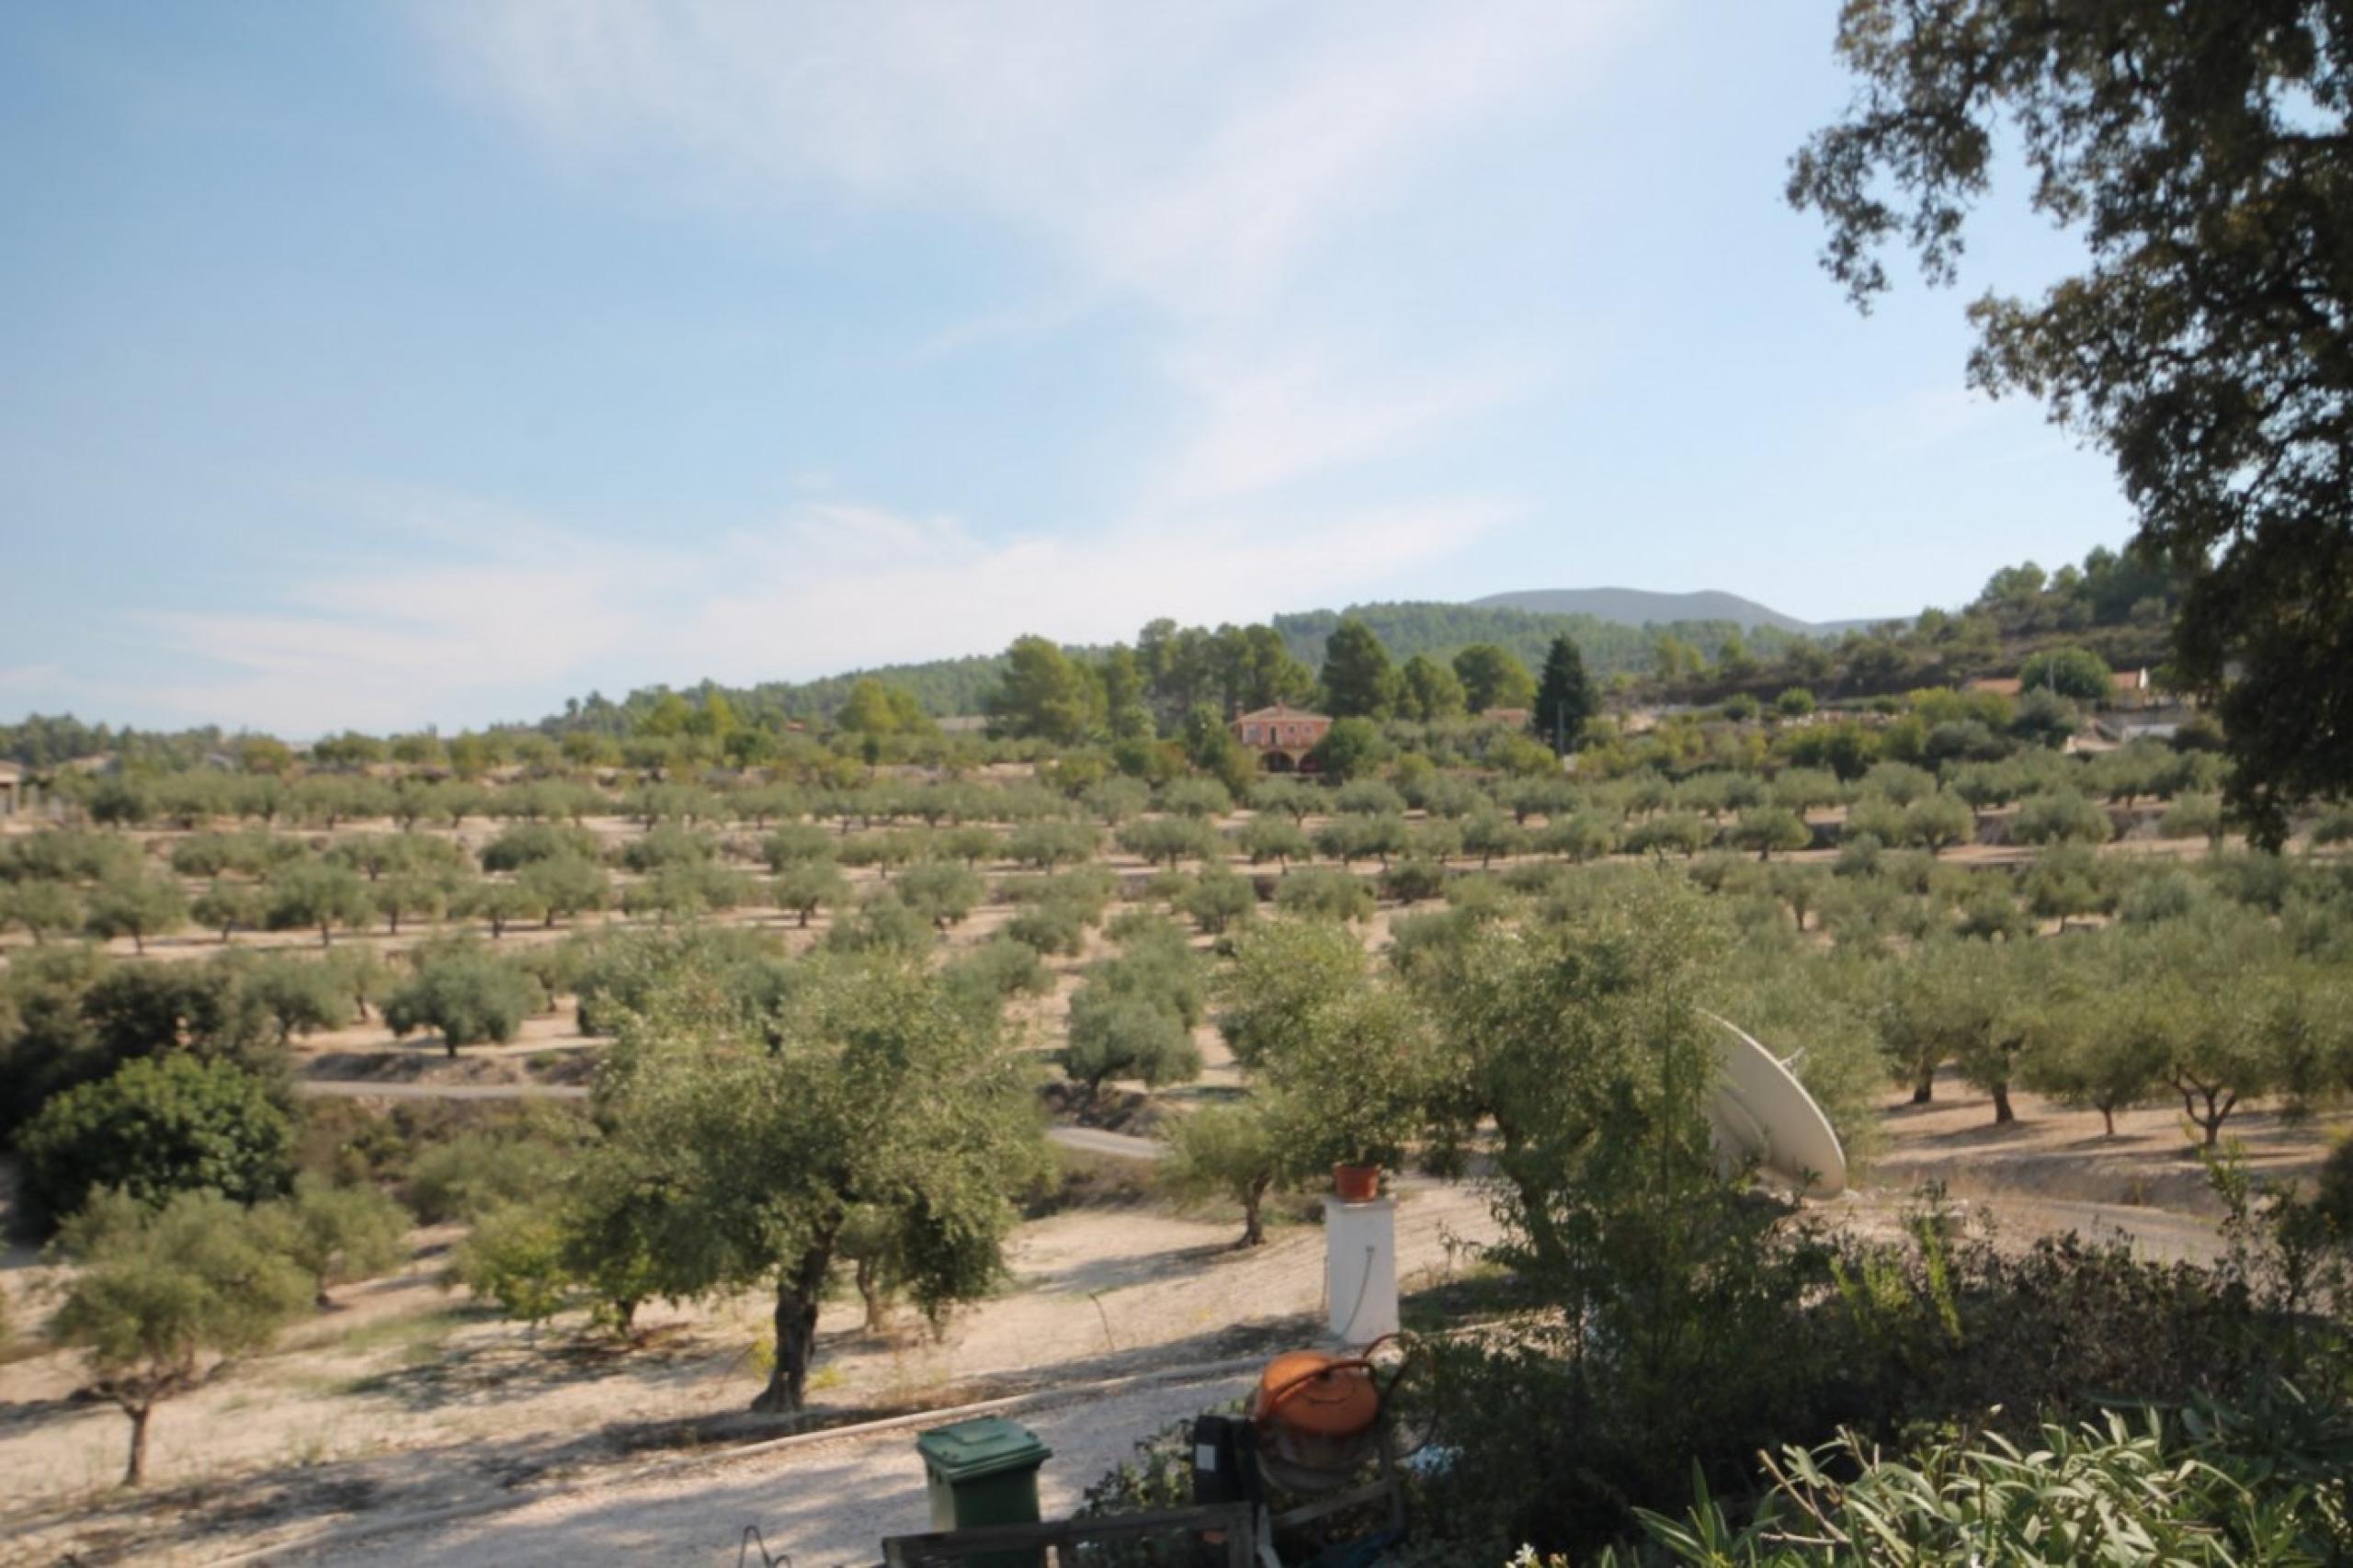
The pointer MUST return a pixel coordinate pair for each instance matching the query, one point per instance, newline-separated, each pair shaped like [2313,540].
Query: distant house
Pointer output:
[1281,735]
[1510,718]
[12,788]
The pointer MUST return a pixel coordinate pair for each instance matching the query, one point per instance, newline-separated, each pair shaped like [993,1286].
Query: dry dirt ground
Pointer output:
[404,1400]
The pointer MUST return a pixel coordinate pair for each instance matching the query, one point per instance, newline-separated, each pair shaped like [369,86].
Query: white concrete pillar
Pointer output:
[1360,1268]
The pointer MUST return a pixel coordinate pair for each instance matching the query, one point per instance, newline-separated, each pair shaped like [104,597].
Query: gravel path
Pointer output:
[1118,1145]
[826,1503]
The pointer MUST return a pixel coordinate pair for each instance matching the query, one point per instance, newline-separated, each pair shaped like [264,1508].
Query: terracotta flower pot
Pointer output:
[1357,1184]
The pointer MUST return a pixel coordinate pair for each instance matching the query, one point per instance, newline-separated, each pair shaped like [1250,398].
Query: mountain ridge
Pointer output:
[1645,607]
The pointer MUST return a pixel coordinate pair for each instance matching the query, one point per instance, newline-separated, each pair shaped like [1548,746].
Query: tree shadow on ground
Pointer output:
[1087,1277]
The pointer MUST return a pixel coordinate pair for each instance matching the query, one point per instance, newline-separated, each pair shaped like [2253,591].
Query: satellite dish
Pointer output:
[1760,1111]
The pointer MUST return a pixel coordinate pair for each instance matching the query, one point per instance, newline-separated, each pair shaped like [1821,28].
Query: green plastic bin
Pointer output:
[985,1472]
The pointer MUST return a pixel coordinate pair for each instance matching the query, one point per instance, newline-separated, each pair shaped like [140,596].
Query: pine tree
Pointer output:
[1358,682]
[1565,696]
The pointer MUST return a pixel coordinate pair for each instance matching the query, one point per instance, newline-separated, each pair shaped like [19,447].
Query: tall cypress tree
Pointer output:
[1564,697]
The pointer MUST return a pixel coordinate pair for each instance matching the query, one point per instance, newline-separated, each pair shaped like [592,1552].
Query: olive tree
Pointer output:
[38,908]
[2107,1048]
[165,1299]
[1168,840]
[308,894]
[1116,1036]
[134,904]
[1767,828]
[1233,1153]
[466,997]
[336,1233]
[804,887]
[1581,1044]
[877,1086]
[1945,1002]
[1275,838]
[227,907]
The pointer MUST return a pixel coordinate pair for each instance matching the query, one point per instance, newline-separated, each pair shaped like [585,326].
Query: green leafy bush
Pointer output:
[158,1126]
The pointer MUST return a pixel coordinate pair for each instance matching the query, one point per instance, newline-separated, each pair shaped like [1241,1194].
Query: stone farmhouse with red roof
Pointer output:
[1282,737]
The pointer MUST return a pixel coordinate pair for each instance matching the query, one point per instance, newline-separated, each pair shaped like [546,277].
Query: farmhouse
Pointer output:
[1281,735]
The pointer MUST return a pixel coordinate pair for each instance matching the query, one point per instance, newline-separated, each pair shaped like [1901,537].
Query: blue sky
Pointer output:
[383,365]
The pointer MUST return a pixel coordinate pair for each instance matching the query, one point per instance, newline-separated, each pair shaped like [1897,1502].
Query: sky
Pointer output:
[395,364]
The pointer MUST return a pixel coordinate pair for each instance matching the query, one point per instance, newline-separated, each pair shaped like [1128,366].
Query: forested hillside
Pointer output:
[949,687]
[1443,629]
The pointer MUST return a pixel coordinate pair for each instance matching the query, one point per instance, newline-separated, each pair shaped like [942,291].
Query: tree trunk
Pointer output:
[135,1473]
[2003,1114]
[139,944]
[326,934]
[2107,1114]
[797,1290]
[2216,1114]
[870,1290]
[1254,1223]
[450,1043]
[1924,1086]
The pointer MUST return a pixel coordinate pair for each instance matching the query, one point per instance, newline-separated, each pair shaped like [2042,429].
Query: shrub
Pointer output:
[1195,797]
[1273,839]
[795,842]
[1050,925]
[336,1233]
[514,1259]
[1047,845]
[668,845]
[884,923]
[1331,895]
[1000,967]
[1167,840]
[1219,899]
[531,842]
[1367,798]
[158,1126]
[940,892]
[2060,816]
[565,885]
[2194,816]
[2074,673]
[476,1172]
[1410,881]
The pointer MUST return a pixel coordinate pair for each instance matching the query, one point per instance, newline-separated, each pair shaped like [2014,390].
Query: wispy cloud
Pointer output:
[1189,153]
[1193,165]
[1266,420]
[522,611]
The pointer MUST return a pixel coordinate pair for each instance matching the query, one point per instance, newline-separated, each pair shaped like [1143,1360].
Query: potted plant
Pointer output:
[1351,1093]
